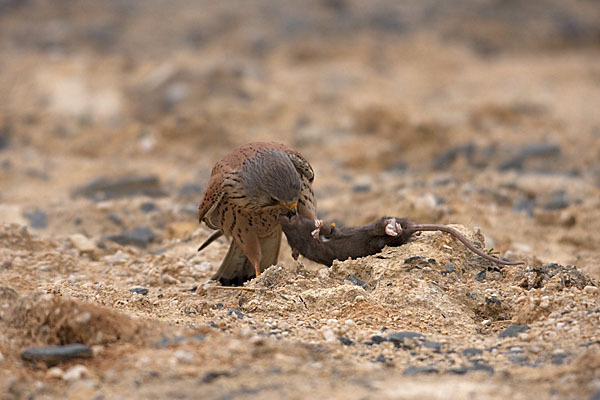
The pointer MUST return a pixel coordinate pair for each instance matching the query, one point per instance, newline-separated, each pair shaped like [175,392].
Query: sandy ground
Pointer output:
[480,114]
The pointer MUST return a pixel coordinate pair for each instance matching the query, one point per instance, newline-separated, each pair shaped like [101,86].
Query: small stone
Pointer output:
[472,351]
[361,188]
[118,257]
[521,360]
[559,359]
[356,281]
[183,356]
[75,373]
[595,396]
[236,312]
[148,206]
[53,355]
[412,370]
[139,290]
[328,335]
[212,375]
[55,373]
[404,338]
[345,341]
[37,219]
[513,331]
[593,290]
[525,337]
[140,236]
[376,339]
[525,205]
[480,276]
[558,201]
[450,267]
[82,243]
[436,346]
[516,349]
[481,366]
[108,189]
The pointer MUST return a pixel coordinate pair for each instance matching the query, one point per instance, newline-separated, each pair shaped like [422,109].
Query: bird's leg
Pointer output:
[251,247]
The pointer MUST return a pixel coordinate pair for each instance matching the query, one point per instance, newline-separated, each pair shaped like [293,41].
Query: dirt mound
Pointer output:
[45,319]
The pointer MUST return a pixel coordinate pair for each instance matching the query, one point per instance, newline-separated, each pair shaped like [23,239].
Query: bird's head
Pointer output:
[271,180]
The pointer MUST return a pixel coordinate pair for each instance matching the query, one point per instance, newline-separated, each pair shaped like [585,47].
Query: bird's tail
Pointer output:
[215,235]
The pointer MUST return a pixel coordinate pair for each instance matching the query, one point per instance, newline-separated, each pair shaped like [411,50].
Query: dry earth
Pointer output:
[482,114]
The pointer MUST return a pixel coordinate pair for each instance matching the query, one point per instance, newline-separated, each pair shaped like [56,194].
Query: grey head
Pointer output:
[269,179]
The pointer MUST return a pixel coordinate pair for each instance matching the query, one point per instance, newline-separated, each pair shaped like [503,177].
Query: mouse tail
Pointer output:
[462,238]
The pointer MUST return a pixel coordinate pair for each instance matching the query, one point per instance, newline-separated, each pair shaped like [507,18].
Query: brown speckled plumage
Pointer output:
[244,199]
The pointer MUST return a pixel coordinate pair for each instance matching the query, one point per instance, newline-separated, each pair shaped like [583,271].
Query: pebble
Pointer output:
[140,236]
[404,338]
[212,375]
[107,189]
[82,243]
[525,205]
[594,290]
[472,351]
[558,359]
[345,341]
[236,312]
[521,360]
[412,370]
[75,373]
[450,267]
[558,200]
[139,290]
[52,355]
[183,356]
[536,150]
[148,206]
[55,373]
[37,219]
[328,335]
[118,257]
[516,349]
[513,331]
[480,276]
[356,281]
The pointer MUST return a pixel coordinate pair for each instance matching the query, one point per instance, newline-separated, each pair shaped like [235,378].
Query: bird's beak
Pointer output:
[292,207]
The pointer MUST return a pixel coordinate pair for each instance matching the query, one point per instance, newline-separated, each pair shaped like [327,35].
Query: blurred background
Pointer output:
[483,112]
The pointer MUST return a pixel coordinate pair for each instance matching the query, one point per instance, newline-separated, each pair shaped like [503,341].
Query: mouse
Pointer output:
[324,243]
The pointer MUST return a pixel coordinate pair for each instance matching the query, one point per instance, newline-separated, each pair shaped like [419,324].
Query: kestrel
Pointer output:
[248,190]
